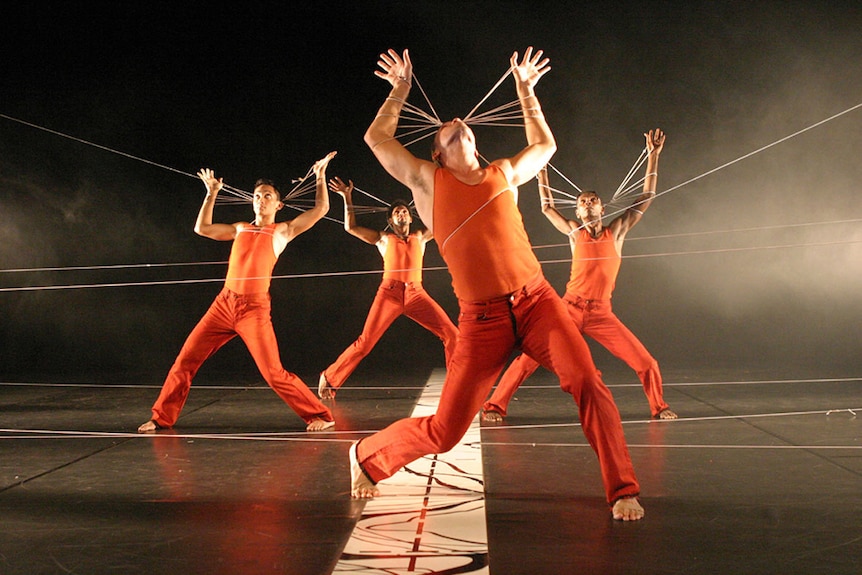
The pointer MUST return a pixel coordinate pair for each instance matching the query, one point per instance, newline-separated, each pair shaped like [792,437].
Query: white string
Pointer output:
[424,269]
[470,217]
[491,91]
[749,154]
[570,182]
[109,267]
[635,167]
[436,118]
[560,245]
[264,387]
[745,156]
[105,148]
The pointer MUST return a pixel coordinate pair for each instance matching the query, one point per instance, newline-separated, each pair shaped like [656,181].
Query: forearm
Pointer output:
[321,196]
[536,128]
[650,182]
[385,123]
[349,215]
[205,214]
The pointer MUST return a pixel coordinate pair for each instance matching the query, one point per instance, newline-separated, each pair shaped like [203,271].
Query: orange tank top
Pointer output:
[252,259]
[402,259]
[595,265]
[481,236]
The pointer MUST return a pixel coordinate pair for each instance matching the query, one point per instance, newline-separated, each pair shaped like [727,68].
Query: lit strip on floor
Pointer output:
[430,516]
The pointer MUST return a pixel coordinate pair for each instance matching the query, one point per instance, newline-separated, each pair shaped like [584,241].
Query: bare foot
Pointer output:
[360,486]
[667,414]
[148,427]
[320,425]
[628,509]
[491,416]
[324,390]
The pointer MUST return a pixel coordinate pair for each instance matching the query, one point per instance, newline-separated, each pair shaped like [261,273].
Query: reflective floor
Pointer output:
[762,474]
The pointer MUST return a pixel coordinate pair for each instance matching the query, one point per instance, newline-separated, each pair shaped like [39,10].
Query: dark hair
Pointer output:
[591,193]
[395,204]
[266,182]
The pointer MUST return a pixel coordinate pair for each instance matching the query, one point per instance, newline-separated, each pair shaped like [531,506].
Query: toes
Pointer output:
[320,425]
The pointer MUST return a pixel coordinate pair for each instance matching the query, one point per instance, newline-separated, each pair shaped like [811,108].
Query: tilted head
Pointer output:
[399,214]
[589,207]
[452,138]
[266,198]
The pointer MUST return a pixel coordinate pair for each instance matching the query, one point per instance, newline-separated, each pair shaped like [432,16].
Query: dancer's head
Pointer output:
[453,138]
[399,214]
[589,207]
[266,199]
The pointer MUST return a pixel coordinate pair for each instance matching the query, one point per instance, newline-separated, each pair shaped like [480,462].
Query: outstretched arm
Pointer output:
[654,145]
[560,222]
[204,225]
[308,218]
[416,174]
[346,191]
[540,141]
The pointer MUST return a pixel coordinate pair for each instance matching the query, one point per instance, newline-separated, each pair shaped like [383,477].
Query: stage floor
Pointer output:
[761,474]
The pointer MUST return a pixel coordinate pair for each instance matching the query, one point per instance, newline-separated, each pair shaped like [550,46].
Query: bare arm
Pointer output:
[367,235]
[624,223]
[563,224]
[540,141]
[416,174]
[308,218]
[204,225]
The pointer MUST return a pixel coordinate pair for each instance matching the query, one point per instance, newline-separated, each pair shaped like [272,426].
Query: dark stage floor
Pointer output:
[760,475]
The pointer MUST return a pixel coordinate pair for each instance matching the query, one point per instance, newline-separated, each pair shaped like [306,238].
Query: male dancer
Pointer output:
[596,257]
[400,292]
[504,299]
[243,306]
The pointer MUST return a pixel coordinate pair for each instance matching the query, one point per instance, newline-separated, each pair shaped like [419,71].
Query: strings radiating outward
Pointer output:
[566,260]
[417,124]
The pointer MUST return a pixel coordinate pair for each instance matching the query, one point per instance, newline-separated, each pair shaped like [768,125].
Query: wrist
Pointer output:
[401,82]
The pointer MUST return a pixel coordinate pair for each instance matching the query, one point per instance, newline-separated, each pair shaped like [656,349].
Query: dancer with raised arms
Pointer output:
[596,257]
[505,301]
[400,292]
[242,308]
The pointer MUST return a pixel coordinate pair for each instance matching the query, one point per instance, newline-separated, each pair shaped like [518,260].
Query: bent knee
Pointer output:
[446,439]
[649,366]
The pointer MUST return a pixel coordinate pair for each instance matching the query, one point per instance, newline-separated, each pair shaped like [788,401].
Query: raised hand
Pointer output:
[395,68]
[320,165]
[654,141]
[340,188]
[531,68]
[213,184]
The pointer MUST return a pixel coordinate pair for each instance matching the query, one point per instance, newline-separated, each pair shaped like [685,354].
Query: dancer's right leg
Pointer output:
[213,331]
[485,341]
[388,304]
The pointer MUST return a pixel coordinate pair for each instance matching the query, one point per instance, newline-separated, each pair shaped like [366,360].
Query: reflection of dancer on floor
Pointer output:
[400,292]
[505,301]
[243,306]
[596,257]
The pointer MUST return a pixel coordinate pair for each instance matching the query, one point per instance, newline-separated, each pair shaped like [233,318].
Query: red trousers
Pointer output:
[247,316]
[595,319]
[535,319]
[393,299]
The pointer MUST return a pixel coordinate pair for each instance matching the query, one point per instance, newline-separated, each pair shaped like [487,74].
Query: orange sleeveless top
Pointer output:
[481,236]
[252,259]
[595,265]
[402,259]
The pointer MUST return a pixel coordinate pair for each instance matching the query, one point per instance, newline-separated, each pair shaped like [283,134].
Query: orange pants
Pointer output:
[393,299]
[596,319]
[535,319]
[232,314]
